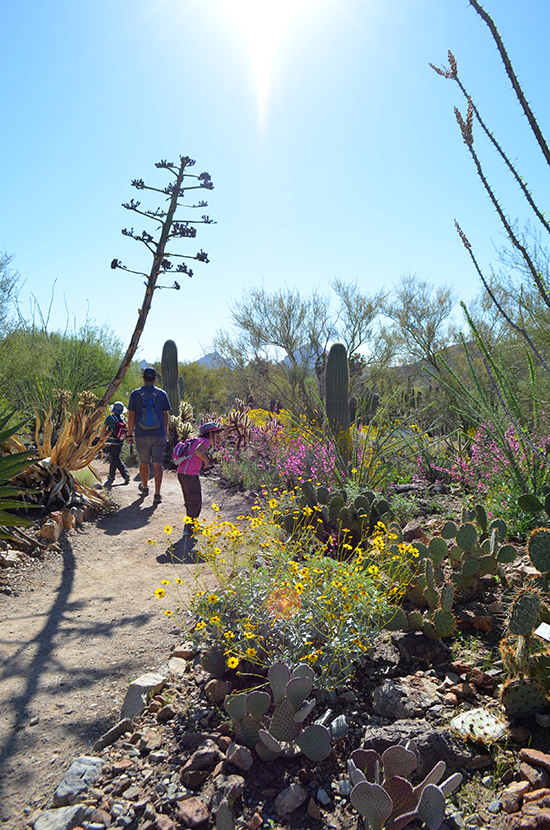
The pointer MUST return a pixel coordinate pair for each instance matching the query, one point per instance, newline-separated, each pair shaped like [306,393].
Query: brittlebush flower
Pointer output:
[250,652]
[168,612]
[200,625]
[165,582]
[212,598]
[159,593]
[168,529]
[232,662]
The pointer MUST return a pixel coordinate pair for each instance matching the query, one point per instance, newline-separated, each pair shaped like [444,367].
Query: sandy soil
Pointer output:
[80,625]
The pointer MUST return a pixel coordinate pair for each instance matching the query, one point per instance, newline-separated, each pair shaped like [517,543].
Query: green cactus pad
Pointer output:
[315,742]
[466,537]
[432,597]
[362,503]
[303,670]
[487,565]
[468,515]
[530,503]
[355,775]
[438,550]
[265,754]
[278,676]
[506,554]
[481,517]
[396,760]
[431,807]
[270,742]
[395,620]
[395,530]
[539,549]
[306,709]
[372,802]
[415,620]
[224,816]
[247,730]
[455,554]
[423,551]
[322,495]
[524,614]
[310,493]
[257,703]
[401,793]
[449,530]
[297,691]
[470,567]
[290,523]
[523,697]
[235,706]
[336,501]
[283,727]
[447,597]
[444,623]
[501,528]
[429,630]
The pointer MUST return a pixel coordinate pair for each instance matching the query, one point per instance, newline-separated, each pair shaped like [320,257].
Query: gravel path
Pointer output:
[79,626]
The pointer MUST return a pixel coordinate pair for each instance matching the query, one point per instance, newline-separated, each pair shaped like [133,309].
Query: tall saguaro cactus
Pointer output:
[169,371]
[337,383]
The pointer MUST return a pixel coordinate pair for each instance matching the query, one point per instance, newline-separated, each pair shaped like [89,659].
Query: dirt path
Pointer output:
[80,626]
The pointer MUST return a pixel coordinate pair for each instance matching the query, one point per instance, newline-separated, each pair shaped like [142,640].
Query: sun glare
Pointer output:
[263,25]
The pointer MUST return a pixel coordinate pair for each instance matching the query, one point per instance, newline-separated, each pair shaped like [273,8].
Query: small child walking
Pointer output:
[116,426]
[190,456]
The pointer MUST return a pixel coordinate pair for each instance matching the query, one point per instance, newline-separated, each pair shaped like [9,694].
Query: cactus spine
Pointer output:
[337,382]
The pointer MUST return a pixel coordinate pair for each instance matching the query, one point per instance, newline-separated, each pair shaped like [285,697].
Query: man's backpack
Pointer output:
[149,417]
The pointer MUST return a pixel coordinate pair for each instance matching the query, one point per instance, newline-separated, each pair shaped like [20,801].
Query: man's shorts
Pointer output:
[150,448]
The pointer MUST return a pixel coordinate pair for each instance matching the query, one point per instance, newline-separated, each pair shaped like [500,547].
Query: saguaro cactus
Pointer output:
[337,382]
[169,370]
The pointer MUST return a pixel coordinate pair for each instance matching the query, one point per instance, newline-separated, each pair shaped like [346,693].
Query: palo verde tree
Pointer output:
[171,228]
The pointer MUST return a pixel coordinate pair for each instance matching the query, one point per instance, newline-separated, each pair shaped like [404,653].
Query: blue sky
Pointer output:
[331,143]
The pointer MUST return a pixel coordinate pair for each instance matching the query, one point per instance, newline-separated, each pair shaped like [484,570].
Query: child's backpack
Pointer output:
[148,417]
[184,451]
[121,430]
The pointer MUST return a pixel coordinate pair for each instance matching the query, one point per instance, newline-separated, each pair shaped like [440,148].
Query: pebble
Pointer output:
[323,797]
[494,807]
[487,781]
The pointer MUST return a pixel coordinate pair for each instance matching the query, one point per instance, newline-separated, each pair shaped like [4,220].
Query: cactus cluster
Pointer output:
[272,735]
[472,555]
[329,514]
[183,422]
[239,422]
[388,798]
[525,657]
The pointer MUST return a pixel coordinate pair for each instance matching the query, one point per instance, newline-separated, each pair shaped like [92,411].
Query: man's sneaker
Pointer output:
[157,498]
[108,484]
[126,479]
[143,490]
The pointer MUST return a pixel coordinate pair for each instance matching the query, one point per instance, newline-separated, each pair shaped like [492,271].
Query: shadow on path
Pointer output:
[32,659]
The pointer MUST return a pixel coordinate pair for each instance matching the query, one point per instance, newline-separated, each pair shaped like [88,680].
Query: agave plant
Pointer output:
[11,464]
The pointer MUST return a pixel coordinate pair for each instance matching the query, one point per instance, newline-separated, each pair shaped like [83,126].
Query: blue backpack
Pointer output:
[148,417]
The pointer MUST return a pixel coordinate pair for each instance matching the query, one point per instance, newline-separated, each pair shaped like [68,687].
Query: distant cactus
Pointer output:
[337,382]
[169,371]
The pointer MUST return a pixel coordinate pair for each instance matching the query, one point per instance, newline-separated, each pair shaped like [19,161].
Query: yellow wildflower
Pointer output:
[159,593]
[168,529]
[232,662]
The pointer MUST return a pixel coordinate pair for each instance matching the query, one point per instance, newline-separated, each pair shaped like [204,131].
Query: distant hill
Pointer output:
[211,361]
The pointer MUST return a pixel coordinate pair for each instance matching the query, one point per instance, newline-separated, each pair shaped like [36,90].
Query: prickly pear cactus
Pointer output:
[524,696]
[390,799]
[271,736]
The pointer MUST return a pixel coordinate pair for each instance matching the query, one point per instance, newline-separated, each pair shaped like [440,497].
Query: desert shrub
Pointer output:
[277,600]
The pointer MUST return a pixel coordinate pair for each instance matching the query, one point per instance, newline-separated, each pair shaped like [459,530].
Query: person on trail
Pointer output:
[190,456]
[148,410]
[115,425]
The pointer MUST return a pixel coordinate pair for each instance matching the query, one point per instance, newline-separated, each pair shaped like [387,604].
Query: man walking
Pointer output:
[148,410]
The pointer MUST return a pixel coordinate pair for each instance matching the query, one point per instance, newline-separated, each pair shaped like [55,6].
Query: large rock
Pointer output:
[408,697]
[290,799]
[63,818]
[433,745]
[139,692]
[82,774]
